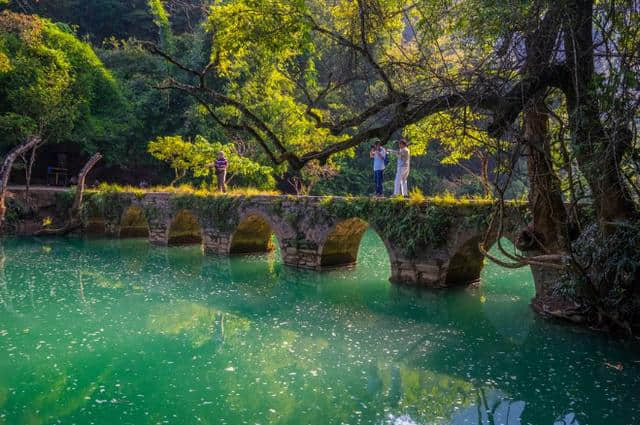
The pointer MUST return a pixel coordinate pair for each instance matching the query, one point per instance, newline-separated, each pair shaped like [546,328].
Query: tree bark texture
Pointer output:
[5,170]
[550,221]
[598,150]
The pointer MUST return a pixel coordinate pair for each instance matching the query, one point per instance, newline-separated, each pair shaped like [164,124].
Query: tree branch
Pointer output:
[506,107]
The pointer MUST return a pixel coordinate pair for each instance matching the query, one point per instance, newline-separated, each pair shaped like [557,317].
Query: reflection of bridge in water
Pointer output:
[442,373]
[429,245]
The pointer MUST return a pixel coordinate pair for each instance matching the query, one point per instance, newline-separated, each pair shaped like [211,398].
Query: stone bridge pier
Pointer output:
[438,250]
[428,245]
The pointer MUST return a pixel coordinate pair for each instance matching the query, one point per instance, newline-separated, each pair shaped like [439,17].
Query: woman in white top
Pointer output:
[402,169]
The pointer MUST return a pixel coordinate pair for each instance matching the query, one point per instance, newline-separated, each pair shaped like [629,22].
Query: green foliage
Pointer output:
[416,195]
[54,85]
[153,113]
[161,20]
[457,131]
[603,276]
[64,201]
[413,226]
[197,157]
[101,19]
[184,189]
[15,212]
[181,155]
[263,50]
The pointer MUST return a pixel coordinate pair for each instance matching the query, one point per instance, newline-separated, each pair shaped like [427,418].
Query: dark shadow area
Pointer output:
[466,264]
[253,235]
[134,223]
[342,244]
[185,229]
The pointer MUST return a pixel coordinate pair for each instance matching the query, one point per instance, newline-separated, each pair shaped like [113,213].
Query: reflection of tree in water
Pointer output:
[198,323]
[58,385]
[218,332]
[86,305]
[5,296]
[491,408]
[494,408]
[508,318]
[568,419]
[430,394]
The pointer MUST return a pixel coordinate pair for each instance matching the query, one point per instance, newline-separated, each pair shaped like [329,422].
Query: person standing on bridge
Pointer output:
[221,172]
[401,187]
[379,156]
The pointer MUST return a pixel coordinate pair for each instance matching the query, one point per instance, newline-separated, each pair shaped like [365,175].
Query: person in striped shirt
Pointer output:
[221,172]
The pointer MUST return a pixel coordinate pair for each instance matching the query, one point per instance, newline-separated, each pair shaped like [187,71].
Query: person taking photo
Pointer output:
[379,156]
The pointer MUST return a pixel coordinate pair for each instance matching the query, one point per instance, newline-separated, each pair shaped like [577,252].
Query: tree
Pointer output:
[460,134]
[151,113]
[53,87]
[195,157]
[179,154]
[102,19]
[5,171]
[309,82]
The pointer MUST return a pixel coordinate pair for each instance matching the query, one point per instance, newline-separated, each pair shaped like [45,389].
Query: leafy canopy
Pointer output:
[196,157]
[317,74]
[53,84]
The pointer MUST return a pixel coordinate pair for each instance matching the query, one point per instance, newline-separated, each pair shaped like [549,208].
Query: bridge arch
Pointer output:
[184,229]
[466,261]
[254,234]
[341,243]
[133,223]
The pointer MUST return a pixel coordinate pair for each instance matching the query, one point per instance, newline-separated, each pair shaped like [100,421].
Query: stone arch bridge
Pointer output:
[429,245]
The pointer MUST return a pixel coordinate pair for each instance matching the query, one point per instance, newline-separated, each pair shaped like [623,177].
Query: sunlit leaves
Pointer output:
[161,20]
[249,34]
[5,62]
[288,61]
[196,157]
[458,131]
[55,82]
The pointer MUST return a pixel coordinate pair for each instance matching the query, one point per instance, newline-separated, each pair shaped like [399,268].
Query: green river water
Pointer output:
[118,332]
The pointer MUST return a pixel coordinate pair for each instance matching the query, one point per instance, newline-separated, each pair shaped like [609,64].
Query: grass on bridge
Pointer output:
[416,196]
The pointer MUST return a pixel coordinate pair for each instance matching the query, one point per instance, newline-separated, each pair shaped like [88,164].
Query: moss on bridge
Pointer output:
[409,224]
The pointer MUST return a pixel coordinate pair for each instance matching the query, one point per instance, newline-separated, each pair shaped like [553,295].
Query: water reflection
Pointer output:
[120,332]
[491,408]
[568,419]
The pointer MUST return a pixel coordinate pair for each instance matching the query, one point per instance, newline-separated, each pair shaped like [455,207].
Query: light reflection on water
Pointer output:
[105,331]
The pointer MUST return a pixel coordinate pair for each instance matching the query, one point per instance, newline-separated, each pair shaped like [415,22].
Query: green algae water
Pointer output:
[118,332]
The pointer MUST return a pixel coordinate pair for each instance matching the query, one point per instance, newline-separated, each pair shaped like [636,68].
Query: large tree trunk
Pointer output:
[548,231]
[75,220]
[550,222]
[597,150]
[606,288]
[5,170]
[29,169]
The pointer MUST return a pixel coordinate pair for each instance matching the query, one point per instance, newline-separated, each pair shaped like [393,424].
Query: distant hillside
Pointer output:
[102,19]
